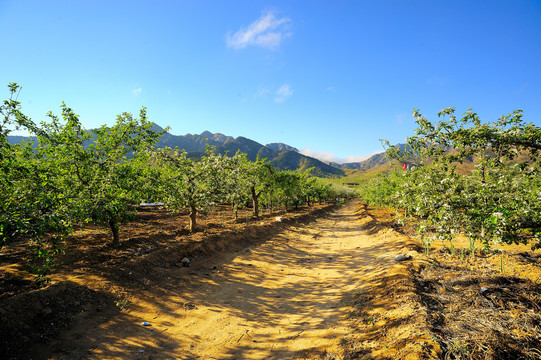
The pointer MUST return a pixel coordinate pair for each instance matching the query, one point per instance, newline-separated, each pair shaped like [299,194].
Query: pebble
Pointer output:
[402,257]
[483,290]
[186,262]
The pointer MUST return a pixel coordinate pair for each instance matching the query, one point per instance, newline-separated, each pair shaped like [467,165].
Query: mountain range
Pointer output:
[280,156]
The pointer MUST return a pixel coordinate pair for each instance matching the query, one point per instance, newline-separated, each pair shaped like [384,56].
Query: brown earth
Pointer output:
[322,283]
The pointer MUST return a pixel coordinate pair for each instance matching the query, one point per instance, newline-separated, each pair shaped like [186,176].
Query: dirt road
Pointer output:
[288,297]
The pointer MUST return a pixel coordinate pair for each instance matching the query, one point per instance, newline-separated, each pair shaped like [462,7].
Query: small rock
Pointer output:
[483,290]
[278,219]
[186,262]
[402,257]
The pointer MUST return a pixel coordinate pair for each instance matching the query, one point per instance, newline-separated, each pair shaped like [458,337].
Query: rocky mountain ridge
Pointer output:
[280,155]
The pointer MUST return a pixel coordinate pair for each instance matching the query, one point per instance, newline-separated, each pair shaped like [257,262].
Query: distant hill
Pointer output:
[357,172]
[281,147]
[281,156]
[292,160]
[17,139]
[371,162]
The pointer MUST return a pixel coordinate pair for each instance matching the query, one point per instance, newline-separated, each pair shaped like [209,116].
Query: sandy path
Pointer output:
[287,298]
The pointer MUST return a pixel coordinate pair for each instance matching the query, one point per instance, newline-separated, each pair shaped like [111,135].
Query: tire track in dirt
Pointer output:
[287,298]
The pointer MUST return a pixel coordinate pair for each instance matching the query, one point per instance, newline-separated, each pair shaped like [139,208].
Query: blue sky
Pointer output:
[328,77]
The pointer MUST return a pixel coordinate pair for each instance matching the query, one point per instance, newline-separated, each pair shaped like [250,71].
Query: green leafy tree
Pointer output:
[257,177]
[381,190]
[33,207]
[100,180]
[499,200]
[194,184]
[288,187]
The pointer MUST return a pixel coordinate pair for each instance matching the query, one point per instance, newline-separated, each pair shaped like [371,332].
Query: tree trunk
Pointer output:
[193,217]
[255,202]
[114,229]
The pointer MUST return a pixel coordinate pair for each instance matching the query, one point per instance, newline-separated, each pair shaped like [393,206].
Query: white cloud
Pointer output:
[331,88]
[328,156]
[320,155]
[354,158]
[283,93]
[268,31]
[137,91]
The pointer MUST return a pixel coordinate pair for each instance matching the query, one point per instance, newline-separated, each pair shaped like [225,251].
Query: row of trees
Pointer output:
[71,175]
[495,199]
[180,182]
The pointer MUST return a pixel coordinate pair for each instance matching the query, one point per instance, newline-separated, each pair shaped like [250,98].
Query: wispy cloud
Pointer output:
[283,93]
[268,31]
[330,157]
[137,91]
[262,91]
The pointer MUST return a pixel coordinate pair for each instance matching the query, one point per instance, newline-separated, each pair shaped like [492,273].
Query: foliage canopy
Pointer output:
[498,200]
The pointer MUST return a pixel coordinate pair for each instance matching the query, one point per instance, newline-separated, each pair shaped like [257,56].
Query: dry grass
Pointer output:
[477,312]
[486,306]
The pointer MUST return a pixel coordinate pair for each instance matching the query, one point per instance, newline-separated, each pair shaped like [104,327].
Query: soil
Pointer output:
[318,283]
